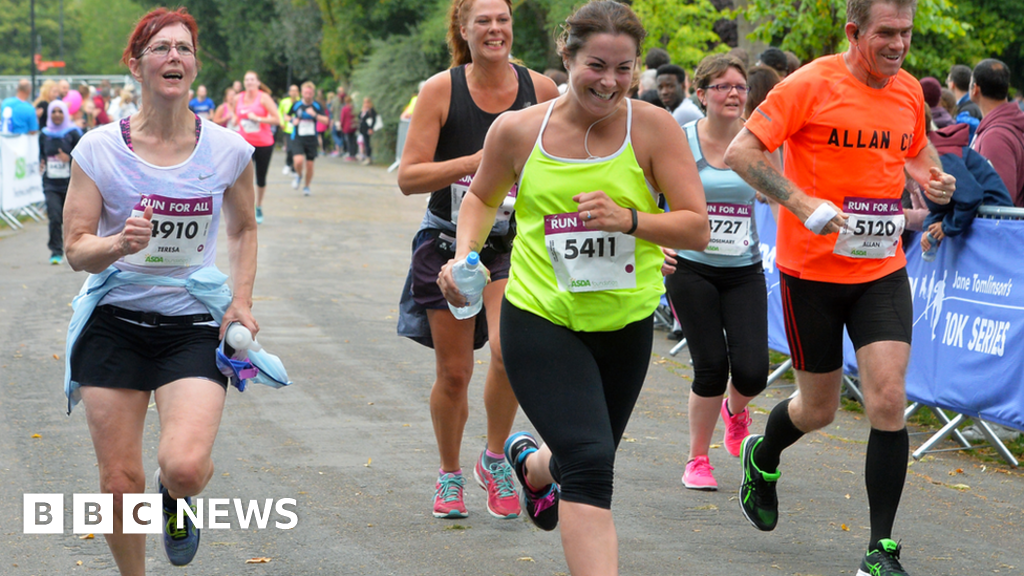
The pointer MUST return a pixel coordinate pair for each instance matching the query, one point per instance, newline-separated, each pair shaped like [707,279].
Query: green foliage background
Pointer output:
[384,48]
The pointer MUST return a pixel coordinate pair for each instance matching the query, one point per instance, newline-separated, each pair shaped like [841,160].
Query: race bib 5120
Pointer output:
[873,229]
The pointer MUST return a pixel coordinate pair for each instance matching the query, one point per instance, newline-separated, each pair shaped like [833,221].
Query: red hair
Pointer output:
[155,21]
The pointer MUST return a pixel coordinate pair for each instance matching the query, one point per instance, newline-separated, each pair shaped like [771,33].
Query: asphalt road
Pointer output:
[352,443]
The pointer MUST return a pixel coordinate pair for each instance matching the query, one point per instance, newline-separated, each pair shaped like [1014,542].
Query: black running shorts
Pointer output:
[308,146]
[816,312]
[116,353]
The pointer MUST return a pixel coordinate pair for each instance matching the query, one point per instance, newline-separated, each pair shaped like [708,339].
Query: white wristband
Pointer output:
[820,218]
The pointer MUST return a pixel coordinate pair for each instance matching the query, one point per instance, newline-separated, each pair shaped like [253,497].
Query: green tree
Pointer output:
[16,31]
[104,26]
[813,28]
[685,29]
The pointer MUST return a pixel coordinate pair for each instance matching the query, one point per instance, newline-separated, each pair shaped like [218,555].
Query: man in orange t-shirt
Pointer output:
[852,123]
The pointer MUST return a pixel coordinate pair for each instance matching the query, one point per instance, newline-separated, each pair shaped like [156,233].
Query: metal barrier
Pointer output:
[403,130]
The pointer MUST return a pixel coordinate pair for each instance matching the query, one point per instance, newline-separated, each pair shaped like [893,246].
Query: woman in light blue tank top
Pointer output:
[719,293]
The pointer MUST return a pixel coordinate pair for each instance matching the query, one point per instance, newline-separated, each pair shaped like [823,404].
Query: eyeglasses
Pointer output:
[163,50]
[726,88]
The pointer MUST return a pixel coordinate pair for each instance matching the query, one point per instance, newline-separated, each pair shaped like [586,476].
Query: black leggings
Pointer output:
[261,156]
[55,214]
[710,299]
[578,389]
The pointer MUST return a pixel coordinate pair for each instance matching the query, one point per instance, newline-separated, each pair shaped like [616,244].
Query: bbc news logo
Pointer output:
[143,513]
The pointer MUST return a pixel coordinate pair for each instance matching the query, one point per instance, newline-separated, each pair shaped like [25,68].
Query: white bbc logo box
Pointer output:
[92,513]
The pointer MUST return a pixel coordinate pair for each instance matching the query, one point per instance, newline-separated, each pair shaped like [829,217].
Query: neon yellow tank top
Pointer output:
[585,280]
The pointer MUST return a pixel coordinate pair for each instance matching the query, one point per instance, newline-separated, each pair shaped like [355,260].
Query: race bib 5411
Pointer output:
[589,260]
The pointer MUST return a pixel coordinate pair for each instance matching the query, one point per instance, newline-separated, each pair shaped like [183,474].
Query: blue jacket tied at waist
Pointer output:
[208,285]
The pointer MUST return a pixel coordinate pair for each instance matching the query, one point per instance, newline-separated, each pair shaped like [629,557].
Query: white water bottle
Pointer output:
[238,337]
[470,279]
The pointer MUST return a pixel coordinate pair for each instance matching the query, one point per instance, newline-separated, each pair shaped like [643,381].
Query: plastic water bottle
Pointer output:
[238,337]
[470,279]
[930,254]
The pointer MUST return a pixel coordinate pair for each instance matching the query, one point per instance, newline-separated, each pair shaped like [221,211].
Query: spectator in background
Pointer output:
[776,60]
[760,80]
[224,114]
[742,55]
[948,101]
[673,90]
[367,124]
[100,98]
[959,82]
[63,87]
[977,183]
[349,129]
[202,105]
[126,105]
[656,58]
[284,108]
[336,104]
[17,114]
[648,92]
[933,96]
[1000,135]
[56,141]
[792,62]
[647,88]
[47,93]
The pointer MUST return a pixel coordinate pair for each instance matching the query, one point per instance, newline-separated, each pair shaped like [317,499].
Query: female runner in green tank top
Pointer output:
[585,274]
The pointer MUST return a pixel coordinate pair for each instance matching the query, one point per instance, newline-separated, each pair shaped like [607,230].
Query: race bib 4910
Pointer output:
[180,228]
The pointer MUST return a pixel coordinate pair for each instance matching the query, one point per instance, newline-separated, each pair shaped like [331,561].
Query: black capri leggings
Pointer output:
[261,156]
[710,299]
[578,389]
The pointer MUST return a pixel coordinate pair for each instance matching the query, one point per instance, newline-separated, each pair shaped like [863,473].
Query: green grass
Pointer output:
[926,418]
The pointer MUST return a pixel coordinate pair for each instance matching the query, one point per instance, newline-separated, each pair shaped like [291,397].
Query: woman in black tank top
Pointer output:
[453,113]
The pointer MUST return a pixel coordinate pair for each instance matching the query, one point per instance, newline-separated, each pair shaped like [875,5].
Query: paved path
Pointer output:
[352,441]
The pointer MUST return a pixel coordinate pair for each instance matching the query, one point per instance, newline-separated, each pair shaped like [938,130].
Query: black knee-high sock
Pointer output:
[779,434]
[885,472]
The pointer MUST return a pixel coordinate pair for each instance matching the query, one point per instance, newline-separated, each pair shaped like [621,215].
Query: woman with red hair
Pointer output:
[142,213]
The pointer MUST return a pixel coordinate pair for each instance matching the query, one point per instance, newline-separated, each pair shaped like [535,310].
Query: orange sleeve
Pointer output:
[783,113]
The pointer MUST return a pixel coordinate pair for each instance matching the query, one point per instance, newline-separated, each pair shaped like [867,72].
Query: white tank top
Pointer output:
[186,199]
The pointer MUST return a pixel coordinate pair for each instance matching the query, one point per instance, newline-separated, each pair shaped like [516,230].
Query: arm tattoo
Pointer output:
[768,180]
[475,246]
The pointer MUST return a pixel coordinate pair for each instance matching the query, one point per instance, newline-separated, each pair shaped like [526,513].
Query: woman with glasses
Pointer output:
[719,293]
[142,213]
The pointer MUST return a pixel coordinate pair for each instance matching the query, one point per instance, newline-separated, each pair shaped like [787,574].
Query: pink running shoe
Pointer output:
[448,499]
[698,475]
[736,428]
[502,498]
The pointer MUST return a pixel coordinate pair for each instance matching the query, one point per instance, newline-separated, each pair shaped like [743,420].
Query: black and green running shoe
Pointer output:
[757,490]
[884,560]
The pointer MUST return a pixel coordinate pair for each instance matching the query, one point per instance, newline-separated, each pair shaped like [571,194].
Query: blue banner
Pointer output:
[967,355]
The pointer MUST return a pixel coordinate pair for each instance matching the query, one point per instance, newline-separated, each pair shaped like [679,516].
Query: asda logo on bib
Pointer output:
[574,283]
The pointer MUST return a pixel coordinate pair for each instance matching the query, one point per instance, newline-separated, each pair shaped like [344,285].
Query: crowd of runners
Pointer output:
[610,203]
